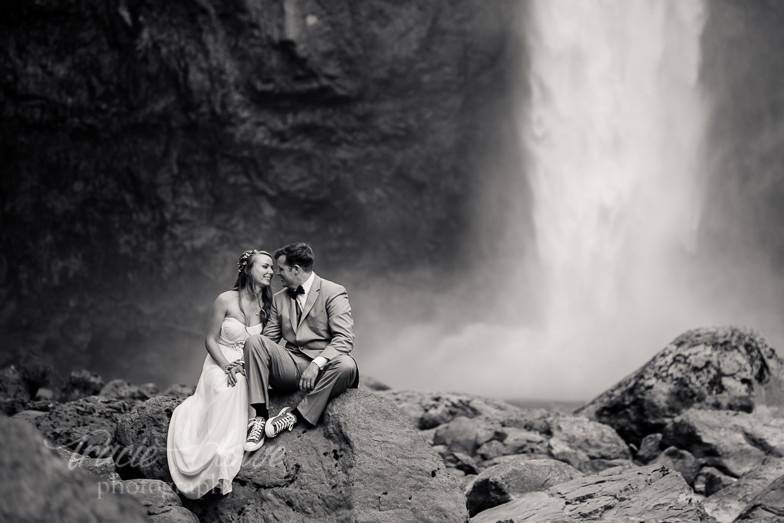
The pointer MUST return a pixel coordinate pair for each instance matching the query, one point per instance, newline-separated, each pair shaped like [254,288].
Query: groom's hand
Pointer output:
[308,379]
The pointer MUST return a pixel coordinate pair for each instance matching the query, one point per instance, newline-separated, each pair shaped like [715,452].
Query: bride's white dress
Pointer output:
[207,431]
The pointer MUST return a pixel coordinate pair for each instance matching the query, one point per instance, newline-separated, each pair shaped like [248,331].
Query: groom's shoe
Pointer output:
[255,434]
[285,420]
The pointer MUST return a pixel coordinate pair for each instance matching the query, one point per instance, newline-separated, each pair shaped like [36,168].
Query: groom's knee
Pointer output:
[344,367]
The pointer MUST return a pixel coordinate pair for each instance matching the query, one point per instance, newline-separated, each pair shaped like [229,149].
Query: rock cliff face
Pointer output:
[145,144]
[742,72]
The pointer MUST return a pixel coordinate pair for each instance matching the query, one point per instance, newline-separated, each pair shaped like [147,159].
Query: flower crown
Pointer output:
[246,256]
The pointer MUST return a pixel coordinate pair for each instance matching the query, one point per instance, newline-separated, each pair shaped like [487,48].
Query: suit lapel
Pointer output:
[312,295]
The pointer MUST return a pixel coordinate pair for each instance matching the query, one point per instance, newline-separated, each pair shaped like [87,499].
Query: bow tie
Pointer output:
[293,293]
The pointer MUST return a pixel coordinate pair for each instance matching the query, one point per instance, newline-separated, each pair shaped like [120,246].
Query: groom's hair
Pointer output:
[297,254]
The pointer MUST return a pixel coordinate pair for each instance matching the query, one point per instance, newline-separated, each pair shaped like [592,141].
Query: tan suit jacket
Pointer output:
[326,327]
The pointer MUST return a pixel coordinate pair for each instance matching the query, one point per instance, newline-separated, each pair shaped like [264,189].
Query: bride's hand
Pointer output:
[237,364]
[231,369]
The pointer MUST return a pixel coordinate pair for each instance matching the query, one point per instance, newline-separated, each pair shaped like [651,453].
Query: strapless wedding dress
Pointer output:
[207,431]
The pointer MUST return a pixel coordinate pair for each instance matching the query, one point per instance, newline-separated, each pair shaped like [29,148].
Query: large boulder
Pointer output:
[515,476]
[728,503]
[722,368]
[351,466]
[37,485]
[87,425]
[650,493]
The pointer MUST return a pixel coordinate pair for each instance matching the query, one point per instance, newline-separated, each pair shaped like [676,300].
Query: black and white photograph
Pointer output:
[486,261]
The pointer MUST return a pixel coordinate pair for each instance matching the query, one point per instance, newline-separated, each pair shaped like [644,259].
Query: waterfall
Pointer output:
[611,124]
[613,132]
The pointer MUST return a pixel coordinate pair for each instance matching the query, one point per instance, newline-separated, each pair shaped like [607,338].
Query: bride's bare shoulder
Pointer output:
[227,297]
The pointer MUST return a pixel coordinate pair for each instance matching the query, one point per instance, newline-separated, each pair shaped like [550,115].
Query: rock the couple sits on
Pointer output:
[300,338]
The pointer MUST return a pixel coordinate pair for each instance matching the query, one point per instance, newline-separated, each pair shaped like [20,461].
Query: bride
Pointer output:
[207,431]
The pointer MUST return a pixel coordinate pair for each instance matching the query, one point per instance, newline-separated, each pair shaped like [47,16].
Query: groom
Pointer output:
[311,316]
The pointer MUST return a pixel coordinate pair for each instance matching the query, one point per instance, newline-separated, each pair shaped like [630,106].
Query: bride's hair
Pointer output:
[244,265]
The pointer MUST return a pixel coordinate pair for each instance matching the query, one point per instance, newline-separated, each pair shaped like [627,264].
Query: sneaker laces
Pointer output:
[257,429]
[285,422]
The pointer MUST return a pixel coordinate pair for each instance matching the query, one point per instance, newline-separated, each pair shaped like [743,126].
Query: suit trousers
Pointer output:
[267,364]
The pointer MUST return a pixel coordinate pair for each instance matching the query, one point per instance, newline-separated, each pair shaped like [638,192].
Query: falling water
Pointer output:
[614,129]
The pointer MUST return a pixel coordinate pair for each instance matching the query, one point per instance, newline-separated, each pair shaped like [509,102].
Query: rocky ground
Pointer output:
[693,435]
